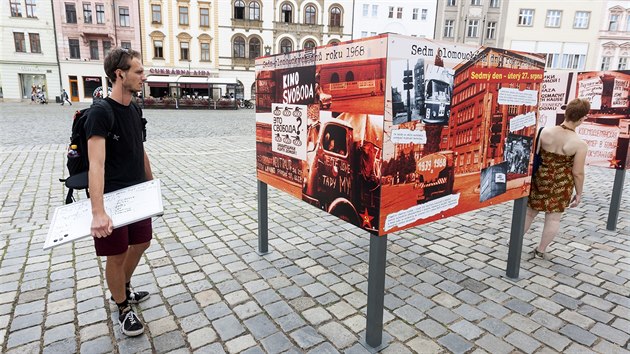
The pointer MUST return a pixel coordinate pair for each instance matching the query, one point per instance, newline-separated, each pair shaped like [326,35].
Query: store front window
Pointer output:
[90,83]
[32,82]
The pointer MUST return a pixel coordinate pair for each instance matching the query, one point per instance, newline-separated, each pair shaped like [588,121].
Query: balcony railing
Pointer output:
[298,28]
[247,24]
[246,62]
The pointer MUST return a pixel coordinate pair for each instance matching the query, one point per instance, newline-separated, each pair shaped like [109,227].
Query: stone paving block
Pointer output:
[316,315]
[494,345]
[604,346]
[247,310]
[493,309]
[424,345]
[578,334]
[495,326]
[522,341]
[93,331]
[614,335]
[306,337]
[521,323]
[167,342]
[68,345]
[290,322]
[466,330]
[97,346]
[228,327]
[26,321]
[412,315]
[576,319]
[260,326]
[547,305]
[357,323]
[338,335]
[59,333]
[276,343]
[470,313]
[431,328]
[238,345]
[519,306]
[455,343]
[207,297]
[575,348]
[154,313]
[217,310]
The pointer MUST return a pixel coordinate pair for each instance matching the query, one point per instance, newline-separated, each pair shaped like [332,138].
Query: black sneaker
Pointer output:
[134,297]
[130,324]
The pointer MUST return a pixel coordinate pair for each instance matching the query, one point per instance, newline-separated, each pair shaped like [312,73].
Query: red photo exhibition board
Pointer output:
[607,128]
[391,132]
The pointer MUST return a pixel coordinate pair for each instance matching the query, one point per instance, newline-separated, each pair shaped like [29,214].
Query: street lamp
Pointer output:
[267,49]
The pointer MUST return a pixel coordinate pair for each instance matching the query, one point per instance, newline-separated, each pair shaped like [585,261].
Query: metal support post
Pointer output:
[376,293]
[263,219]
[516,237]
[615,200]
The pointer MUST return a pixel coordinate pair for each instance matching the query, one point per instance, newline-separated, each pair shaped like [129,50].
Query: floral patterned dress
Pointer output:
[552,186]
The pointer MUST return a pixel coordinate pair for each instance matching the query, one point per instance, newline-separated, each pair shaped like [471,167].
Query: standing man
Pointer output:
[64,97]
[117,160]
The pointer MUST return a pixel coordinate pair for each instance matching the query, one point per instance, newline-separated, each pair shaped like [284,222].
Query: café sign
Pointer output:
[175,71]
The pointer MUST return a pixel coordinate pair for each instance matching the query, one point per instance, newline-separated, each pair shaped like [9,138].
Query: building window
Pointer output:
[613,23]
[335,17]
[414,14]
[158,50]
[553,18]
[581,19]
[30,9]
[473,28]
[71,13]
[475,2]
[451,3]
[36,46]
[126,45]
[309,15]
[107,47]
[156,13]
[183,15]
[623,63]
[286,46]
[87,13]
[254,11]
[526,17]
[309,44]
[239,47]
[123,16]
[286,13]
[391,12]
[494,3]
[491,30]
[75,50]
[183,51]
[93,50]
[205,52]
[573,61]
[16,8]
[449,26]
[100,13]
[20,43]
[424,14]
[364,34]
[366,9]
[399,12]
[605,63]
[374,10]
[553,61]
[239,10]
[254,48]
[204,17]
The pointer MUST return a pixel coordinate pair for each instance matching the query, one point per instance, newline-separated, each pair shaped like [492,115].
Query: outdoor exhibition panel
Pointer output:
[392,132]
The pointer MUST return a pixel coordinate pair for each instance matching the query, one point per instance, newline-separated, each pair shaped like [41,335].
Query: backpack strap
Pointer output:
[537,143]
[110,112]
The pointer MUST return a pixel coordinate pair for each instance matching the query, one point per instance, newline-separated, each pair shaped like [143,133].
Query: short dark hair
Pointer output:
[118,58]
[576,109]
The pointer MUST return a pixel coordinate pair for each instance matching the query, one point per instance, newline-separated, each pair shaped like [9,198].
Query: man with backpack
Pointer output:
[117,159]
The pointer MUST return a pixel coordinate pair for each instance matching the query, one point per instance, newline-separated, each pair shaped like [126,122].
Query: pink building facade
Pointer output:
[86,31]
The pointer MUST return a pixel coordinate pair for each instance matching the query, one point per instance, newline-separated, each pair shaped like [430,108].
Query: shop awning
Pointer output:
[162,79]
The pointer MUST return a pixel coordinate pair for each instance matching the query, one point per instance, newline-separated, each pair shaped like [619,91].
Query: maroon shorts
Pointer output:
[120,239]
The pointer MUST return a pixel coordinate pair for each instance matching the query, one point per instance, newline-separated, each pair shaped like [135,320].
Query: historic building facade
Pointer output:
[614,37]
[410,18]
[476,22]
[86,32]
[28,59]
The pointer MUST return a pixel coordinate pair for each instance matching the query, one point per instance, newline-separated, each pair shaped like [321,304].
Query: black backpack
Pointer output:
[78,163]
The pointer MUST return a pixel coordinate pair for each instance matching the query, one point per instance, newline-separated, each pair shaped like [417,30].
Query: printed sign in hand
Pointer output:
[288,129]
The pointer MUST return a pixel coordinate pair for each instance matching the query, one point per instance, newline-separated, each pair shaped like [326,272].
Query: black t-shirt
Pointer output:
[124,150]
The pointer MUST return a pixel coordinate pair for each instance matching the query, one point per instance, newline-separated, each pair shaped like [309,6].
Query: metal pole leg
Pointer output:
[516,237]
[615,200]
[263,219]
[376,291]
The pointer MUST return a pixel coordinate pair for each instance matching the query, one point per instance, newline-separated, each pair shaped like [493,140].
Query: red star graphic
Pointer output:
[613,162]
[367,219]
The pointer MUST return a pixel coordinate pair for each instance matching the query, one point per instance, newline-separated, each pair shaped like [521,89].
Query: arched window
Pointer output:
[287,13]
[286,46]
[335,16]
[334,77]
[239,90]
[253,91]
[333,42]
[309,44]
[239,10]
[254,48]
[254,11]
[310,15]
[349,76]
[239,47]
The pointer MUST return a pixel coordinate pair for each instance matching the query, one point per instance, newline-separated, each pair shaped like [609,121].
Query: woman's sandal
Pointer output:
[538,254]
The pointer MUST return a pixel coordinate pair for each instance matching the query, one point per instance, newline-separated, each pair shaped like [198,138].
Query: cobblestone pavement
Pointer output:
[446,289]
